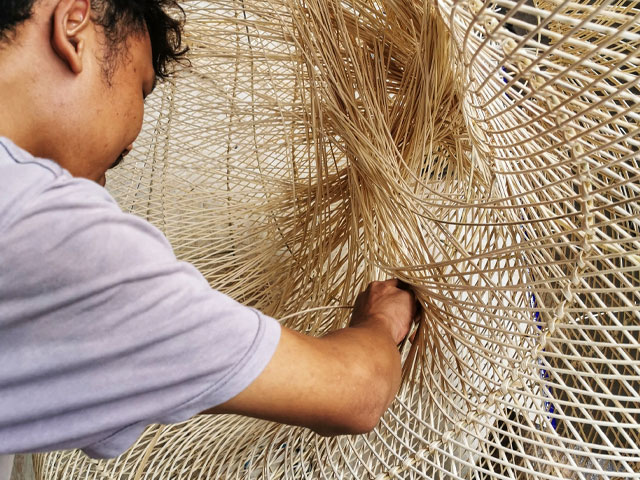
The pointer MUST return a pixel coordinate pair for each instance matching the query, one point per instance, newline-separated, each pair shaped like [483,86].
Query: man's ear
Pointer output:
[71,19]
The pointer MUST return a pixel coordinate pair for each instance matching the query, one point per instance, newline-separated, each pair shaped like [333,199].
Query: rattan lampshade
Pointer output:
[487,153]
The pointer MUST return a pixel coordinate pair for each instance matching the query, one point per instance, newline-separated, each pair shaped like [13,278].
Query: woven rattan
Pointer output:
[487,153]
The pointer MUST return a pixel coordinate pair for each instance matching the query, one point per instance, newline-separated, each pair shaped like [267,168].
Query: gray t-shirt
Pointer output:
[102,330]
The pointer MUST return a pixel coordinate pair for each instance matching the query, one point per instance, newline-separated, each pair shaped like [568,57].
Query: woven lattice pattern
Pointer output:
[485,152]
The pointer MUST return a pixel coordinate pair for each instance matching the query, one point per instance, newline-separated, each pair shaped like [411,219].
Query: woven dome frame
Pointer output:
[487,153]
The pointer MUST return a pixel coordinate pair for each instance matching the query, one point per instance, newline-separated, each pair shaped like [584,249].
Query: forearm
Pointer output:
[340,383]
[337,384]
[367,345]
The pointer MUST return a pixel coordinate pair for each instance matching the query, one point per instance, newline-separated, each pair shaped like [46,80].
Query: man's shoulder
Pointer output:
[27,182]
[48,214]
[22,174]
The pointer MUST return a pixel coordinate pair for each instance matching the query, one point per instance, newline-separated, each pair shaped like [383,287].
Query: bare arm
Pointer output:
[340,383]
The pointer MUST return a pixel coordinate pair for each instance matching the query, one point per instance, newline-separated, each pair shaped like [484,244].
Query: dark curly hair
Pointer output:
[163,19]
[12,14]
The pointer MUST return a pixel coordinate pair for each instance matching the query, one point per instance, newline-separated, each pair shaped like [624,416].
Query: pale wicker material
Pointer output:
[486,153]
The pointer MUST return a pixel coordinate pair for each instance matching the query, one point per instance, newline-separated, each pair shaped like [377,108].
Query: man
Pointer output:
[102,330]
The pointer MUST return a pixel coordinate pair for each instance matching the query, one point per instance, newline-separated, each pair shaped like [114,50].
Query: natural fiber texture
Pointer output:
[485,153]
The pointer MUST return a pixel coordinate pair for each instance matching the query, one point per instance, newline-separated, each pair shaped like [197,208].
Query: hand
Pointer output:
[386,305]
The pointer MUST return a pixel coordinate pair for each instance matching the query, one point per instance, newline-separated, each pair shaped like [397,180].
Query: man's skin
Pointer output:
[57,102]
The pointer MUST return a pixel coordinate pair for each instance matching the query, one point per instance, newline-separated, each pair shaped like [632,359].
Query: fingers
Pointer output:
[392,300]
[402,285]
[382,284]
[416,305]
[396,284]
[390,283]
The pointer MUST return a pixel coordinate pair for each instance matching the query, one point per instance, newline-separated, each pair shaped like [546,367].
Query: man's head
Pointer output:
[74,74]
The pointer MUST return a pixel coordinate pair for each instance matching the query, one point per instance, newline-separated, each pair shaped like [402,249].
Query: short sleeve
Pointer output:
[103,331]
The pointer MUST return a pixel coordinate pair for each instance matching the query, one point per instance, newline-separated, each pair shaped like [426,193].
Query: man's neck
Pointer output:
[27,84]
[11,97]
[18,95]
